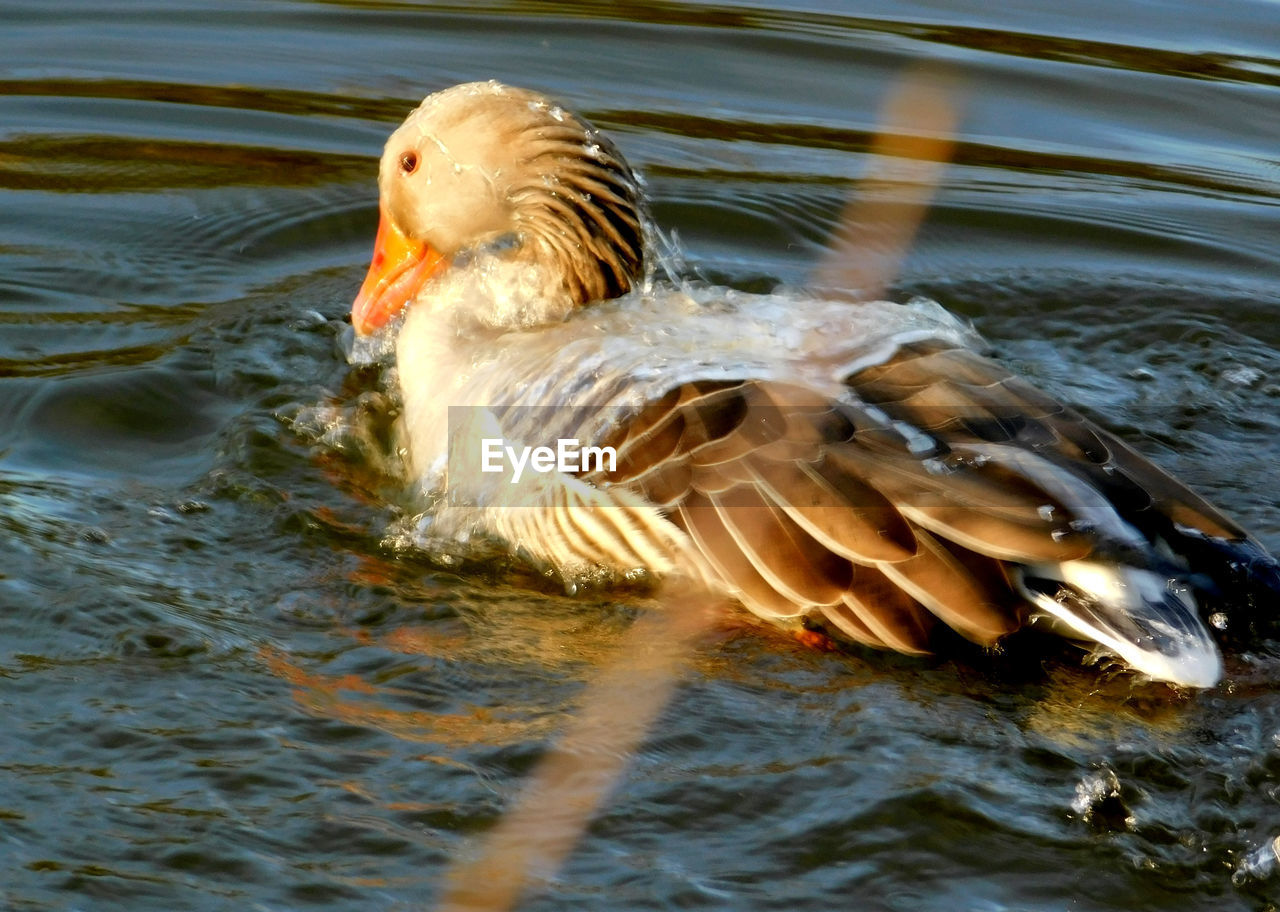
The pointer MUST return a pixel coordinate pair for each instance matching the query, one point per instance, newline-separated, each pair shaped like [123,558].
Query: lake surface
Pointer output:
[222,688]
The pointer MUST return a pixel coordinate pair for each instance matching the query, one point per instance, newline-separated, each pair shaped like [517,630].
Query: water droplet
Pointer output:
[1098,802]
[1259,864]
[1242,375]
[95,536]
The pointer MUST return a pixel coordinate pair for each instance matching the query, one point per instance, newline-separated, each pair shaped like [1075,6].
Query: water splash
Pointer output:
[1100,803]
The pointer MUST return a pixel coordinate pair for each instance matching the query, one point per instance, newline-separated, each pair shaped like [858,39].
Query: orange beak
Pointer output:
[400,267]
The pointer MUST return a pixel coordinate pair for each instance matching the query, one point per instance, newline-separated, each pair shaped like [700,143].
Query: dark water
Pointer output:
[220,689]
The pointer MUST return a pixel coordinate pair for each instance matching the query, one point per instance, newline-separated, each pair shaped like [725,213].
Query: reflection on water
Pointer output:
[223,687]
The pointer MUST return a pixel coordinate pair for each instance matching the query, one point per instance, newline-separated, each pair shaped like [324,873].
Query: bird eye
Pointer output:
[409,162]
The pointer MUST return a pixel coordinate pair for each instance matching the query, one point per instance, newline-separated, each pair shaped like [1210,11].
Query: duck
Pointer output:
[862,469]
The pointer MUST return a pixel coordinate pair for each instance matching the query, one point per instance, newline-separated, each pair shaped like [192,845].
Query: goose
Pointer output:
[859,469]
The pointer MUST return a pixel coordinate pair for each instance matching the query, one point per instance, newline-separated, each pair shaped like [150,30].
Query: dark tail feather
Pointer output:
[1239,582]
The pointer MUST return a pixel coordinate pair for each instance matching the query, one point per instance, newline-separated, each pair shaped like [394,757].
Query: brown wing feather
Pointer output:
[848,623]
[935,578]
[697,516]
[966,398]
[894,505]
[795,564]
[894,617]
[842,512]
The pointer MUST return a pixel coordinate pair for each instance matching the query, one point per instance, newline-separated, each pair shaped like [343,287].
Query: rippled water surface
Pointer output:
[221,689]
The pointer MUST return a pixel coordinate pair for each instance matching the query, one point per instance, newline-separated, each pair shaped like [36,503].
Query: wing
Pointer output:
[939,487]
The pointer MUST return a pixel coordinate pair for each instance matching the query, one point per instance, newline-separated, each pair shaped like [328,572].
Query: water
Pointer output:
[221,689]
